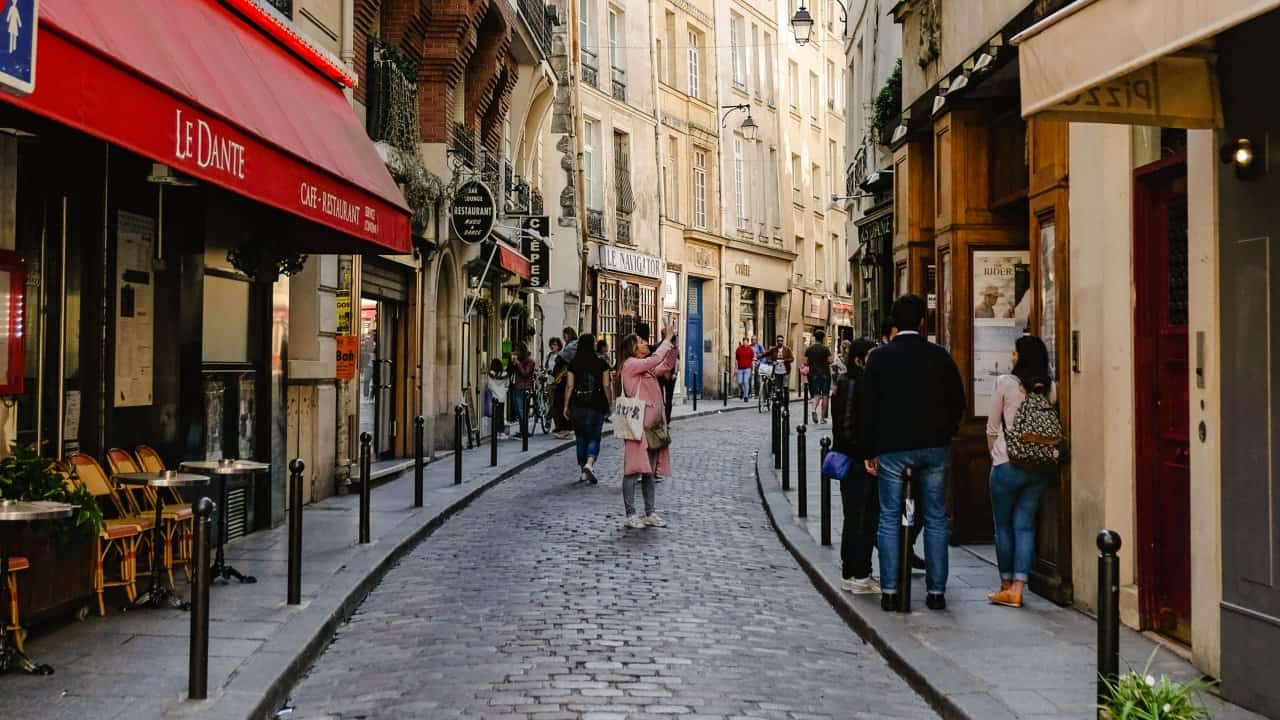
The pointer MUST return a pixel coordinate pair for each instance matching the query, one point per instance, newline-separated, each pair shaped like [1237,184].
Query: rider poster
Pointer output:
[1001,309]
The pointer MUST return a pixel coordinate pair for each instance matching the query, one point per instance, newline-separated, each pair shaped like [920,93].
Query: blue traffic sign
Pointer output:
[18,20]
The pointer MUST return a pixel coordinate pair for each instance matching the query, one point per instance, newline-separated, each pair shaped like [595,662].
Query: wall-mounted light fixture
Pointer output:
[802,24]
[748,127]
[1248,158]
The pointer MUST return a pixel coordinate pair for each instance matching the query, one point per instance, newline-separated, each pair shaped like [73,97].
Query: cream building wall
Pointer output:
[961,27]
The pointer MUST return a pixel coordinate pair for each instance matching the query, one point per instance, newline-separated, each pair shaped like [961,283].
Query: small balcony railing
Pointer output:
[595,223]
[535,15]
[620,84]
[463,143]
[590,68]
[518,192]
[535,203]
[624,229]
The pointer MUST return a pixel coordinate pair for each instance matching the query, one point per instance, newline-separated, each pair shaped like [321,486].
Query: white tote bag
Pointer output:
[628,416]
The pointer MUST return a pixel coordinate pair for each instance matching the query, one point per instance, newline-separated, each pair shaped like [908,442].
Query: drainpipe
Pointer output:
[347,48]
[579,127]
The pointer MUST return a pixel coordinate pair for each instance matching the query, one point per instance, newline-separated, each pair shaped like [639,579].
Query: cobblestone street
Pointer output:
[535,603]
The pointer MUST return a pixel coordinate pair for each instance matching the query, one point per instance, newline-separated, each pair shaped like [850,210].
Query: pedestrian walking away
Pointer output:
[745,358]
[524,373]
[650,456]
[859,496]
[912,403]
[587,402]
[818,358]
[1016,490]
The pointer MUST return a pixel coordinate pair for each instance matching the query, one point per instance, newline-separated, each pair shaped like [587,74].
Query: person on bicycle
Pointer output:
[780,358]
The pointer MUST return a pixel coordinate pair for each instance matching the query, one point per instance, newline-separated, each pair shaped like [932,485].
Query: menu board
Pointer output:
[135,307]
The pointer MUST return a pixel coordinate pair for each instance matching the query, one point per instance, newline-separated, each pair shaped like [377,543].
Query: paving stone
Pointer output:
[535,603]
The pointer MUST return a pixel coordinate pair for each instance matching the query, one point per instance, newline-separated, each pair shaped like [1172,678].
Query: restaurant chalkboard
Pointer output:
[472,213]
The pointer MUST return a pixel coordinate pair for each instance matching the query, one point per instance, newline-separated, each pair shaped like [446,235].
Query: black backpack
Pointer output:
[586,385]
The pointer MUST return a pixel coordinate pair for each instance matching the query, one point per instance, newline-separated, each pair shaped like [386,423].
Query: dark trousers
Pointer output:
[860,502]
[668,391]
[558,419]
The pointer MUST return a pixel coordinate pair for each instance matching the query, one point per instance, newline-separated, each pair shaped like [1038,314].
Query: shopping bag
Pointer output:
[628,417]
[836,465]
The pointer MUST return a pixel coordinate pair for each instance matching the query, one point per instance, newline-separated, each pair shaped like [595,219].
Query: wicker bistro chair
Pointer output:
[177,518]
[150,461]
[123,534]
[16,565]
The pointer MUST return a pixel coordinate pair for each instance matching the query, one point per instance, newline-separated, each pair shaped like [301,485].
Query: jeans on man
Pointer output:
[587,424]
[519,398]
[744,382]
[930,467]
[1015,497]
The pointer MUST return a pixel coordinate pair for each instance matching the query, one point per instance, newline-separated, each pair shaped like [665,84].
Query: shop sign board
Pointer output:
[631,262]
[533,245]
[472,213]
[841,314]
[347,355]
[1176,92]
[18,61]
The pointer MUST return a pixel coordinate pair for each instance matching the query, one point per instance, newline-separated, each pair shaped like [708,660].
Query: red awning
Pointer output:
[513,262]
[190,84]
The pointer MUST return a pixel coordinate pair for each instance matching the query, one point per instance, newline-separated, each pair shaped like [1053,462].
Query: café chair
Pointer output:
[123,534]
[150,461]
[177,518]
[16,565]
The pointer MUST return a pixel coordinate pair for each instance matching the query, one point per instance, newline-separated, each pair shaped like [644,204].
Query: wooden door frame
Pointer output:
[1145,369]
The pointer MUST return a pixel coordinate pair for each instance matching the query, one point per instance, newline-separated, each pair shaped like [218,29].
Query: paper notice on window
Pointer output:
[135,307]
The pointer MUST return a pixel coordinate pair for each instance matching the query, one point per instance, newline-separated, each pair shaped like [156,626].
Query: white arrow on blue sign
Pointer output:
[18,20]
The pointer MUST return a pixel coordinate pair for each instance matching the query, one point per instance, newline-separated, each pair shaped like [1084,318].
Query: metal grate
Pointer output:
[595,223]
[624,229]
[237,513]
[463,143]
[620,84]
[590,68]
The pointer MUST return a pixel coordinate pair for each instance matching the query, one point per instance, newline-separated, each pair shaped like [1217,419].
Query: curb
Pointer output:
[261,686]
[953,693]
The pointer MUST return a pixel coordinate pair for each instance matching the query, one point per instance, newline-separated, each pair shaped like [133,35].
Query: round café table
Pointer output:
[223,471]
[13,512]
[157,595]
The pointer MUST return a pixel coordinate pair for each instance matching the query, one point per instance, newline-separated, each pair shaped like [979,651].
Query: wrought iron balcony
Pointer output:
[624,229]
[595,223]
[285,7]
[463,143]
[590,68]
[535,203]
[620,84]
[535,15]
[518,193]
[391,96]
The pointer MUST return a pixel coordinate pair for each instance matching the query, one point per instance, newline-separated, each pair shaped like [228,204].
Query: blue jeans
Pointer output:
[587,424]
[930,466]
[744,382]
[520,398]
[1015,497]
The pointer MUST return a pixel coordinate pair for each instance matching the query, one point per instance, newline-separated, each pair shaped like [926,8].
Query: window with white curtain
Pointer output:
[695,64]
[737,50]
[793,85]
[617,51]
[594,188]
[739,185]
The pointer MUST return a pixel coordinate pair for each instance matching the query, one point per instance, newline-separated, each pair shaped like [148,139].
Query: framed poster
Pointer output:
[135,319]
[1049,292]
[1001,308]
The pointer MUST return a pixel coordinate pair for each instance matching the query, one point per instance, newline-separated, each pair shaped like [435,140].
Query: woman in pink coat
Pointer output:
[640,371]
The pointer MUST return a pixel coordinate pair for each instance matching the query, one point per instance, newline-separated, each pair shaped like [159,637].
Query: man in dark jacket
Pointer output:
[912,402]
[859,497]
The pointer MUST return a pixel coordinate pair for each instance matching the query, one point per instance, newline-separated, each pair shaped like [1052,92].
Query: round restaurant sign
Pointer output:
[472,213]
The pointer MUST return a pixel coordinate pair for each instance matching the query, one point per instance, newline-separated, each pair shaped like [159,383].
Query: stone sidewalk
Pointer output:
[134,665]
[975,660]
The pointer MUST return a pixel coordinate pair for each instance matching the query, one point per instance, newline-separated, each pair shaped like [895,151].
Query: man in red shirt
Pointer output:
[745,356]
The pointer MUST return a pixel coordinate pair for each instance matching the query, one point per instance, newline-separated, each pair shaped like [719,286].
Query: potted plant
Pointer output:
[1141,696]
[24,475]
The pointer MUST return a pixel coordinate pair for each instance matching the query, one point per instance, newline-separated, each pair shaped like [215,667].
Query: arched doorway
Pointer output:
[446,356]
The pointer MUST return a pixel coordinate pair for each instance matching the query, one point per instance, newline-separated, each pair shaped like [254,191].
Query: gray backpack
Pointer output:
[1037,440]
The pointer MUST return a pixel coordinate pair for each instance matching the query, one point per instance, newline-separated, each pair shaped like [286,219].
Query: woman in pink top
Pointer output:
[1015,491]
[640,371]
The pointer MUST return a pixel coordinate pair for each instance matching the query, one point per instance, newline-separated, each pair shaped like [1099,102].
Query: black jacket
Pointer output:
[846,419]
[912,397]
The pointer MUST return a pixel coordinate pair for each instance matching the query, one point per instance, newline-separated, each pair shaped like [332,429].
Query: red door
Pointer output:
[1162,442]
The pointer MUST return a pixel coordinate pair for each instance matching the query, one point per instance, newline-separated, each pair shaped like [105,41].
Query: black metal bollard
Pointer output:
[824,503]
[775,417]
[904,543]
[785,432]
[457,445]
[198,669]
[366,460]
[296,467]
[419,464]
[524,424]
[1108,611]
[804,399]
[725,387]
[693,390]
[493,433]
[802,473]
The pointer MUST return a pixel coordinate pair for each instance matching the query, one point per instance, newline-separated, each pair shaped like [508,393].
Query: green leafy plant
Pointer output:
[1141,696]
[24,475]
[888,104]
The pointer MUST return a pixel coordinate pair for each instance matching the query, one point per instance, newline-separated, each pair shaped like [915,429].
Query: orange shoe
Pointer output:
[1008,598]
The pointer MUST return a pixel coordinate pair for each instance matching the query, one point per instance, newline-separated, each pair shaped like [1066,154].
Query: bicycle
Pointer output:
[764,395]
[540,405]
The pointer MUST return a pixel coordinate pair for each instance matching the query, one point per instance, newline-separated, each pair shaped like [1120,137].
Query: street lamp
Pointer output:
[748,127]
[802,25]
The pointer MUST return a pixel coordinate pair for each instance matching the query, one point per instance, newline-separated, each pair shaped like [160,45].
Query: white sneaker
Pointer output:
[652,520]
[860,586]
[634,522]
